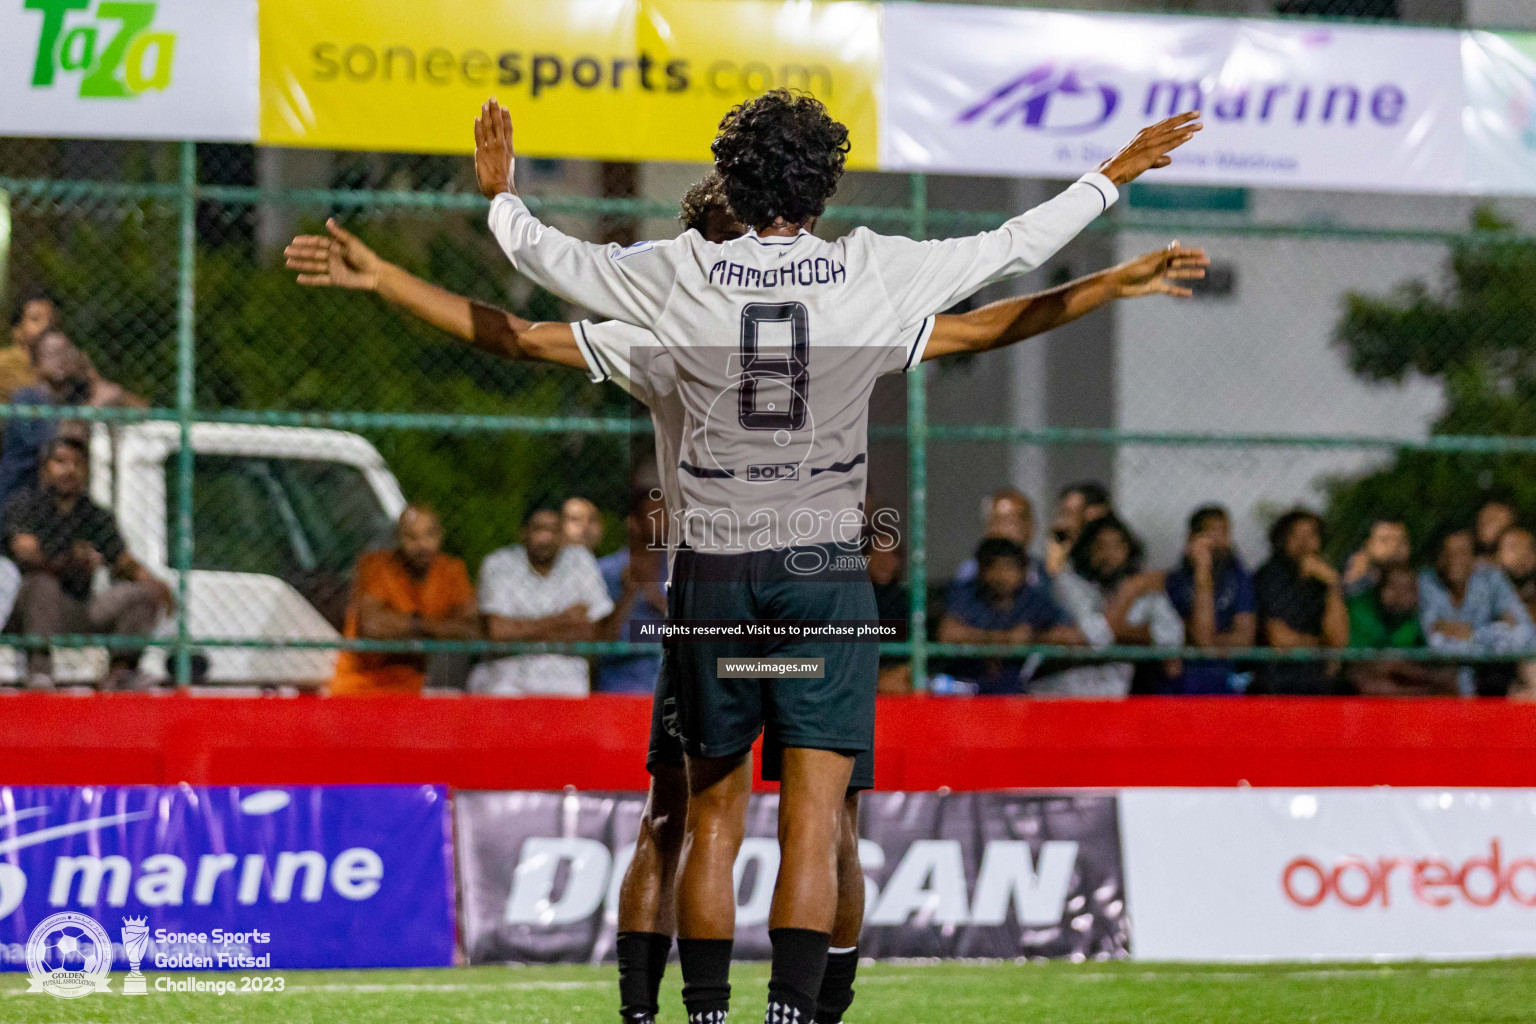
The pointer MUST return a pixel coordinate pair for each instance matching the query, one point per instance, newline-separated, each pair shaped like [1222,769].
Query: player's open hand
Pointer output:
[337,260]
[1158,273]
[1150,148]
[494,158]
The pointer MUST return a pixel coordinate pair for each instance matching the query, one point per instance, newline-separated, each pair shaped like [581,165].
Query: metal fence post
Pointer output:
[186,401]
[917,473]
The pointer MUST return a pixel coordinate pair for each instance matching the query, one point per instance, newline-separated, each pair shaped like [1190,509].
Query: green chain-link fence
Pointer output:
[280,427]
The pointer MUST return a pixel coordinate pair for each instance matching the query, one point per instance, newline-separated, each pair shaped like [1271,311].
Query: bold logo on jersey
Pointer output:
[1057,100]
[804,273]
[774,471]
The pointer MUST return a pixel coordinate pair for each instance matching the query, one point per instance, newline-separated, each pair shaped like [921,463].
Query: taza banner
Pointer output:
[294,877]
[166,69]
[945,875]
[601,79]
[1330,874]
[987,90]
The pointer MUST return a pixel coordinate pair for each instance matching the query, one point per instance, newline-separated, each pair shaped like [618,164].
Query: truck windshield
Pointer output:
[303,520]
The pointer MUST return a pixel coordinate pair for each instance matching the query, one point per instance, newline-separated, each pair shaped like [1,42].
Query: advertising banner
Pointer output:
[948,875]
[1252,874]
[232,878]
[163,69]
[1500,71]
[985,90]
[603,79]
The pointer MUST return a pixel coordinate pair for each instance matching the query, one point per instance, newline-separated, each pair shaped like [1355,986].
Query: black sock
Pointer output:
[642,959]
[706,965]
[799,961]
[837,985]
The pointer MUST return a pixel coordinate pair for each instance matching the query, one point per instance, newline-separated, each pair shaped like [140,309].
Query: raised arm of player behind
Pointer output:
[342,260]
[1012,320]
[631,285]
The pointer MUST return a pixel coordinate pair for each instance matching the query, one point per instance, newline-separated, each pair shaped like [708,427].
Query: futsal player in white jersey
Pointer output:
[777,338]
[340,259]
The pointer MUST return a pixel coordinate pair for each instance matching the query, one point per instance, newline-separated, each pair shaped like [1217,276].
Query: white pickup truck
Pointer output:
[280,515]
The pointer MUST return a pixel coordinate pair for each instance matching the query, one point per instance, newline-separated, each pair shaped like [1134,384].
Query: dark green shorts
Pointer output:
[721,717]
[666,746]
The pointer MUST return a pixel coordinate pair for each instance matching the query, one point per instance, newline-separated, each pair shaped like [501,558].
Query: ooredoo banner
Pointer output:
[226,878]
[166,69]
[945,875]
[1018,92]
[1253,874]
[605,79]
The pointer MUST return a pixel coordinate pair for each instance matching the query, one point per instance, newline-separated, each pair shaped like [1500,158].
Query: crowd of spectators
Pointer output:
[1462,614]
[1092,591]
[1468,605]
[66,568]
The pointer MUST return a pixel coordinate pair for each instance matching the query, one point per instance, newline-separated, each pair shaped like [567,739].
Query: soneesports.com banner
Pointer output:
[167,69]
[231,878]
[603,79]
[1330,874]
[946,875]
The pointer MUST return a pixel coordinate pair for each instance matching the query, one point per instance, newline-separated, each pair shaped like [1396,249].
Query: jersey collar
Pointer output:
[775,239]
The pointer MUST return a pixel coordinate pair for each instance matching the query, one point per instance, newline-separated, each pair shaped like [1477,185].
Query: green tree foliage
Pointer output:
[1477,336]
[263,342]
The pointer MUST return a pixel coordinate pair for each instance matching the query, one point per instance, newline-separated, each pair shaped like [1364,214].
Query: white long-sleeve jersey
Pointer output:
[777,342]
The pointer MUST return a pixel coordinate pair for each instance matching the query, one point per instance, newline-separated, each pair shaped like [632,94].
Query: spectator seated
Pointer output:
[540,591]
[59,539]
[410,592]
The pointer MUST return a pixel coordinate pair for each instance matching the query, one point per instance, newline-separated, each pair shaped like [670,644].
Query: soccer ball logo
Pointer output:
[69,955]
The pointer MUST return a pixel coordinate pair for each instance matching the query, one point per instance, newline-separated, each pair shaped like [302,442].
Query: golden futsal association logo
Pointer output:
[69,955]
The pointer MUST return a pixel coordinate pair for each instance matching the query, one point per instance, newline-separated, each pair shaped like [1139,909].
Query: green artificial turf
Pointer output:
[1501,992]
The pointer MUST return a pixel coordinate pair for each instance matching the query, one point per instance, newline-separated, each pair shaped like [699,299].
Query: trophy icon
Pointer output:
[135,944]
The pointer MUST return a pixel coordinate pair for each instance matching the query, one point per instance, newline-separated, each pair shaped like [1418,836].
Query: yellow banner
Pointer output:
[599,79]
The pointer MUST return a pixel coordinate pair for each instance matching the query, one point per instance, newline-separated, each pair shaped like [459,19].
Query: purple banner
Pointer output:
[945,875]
[234,878]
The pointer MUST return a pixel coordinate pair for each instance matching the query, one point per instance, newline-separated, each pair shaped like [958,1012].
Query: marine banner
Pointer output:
[988,90]
[225,878]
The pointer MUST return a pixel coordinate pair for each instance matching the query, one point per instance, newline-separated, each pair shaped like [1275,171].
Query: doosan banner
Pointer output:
[294,877]
[946,875]
[1029,93]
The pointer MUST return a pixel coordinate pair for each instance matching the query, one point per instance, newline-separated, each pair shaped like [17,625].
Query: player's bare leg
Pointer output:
[718,790]
[843,956]
[648,895]
[800,922]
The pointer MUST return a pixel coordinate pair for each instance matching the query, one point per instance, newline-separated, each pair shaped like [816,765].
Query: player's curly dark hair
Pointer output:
[780,156]
[703,198]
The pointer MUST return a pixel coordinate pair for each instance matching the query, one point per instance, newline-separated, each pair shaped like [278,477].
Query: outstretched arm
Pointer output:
[631,285]
[922,277]
[341,260]
[1012,320]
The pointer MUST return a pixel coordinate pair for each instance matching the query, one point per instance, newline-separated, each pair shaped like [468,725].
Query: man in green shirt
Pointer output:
[1387,617]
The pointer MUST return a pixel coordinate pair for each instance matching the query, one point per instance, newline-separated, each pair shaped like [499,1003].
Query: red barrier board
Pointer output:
[923,743]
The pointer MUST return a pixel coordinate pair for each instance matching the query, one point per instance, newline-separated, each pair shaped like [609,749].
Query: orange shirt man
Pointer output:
[412,592]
